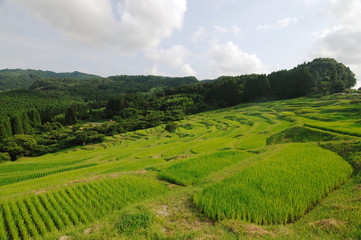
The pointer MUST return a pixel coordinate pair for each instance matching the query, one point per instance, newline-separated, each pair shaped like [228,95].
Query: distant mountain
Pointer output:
[11,79]
[104,88]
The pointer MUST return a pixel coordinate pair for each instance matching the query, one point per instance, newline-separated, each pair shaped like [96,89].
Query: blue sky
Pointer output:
[204,38]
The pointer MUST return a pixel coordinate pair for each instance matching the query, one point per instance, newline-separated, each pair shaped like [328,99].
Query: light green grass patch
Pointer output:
[191,171]
[279,189]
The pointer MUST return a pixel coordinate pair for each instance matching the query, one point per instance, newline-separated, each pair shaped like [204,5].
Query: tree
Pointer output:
[171,127]
[7,126]
[26,123]
[70,116]
[3,132]
[35,118]
[19,145]
[17,125]
[4,157]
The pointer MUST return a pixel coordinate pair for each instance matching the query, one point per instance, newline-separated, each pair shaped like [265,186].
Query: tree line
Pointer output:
[34,122]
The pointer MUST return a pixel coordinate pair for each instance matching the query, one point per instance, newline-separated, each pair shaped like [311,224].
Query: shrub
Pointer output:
[133,219]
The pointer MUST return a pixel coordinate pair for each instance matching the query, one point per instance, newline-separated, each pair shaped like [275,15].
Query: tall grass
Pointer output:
[279,189]
[40,214]
[191,171]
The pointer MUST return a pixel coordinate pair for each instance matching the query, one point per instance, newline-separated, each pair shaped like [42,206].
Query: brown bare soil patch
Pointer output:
[92,229]
[83,180]
[40,192]
[140,172]
[251,230]
[328,224]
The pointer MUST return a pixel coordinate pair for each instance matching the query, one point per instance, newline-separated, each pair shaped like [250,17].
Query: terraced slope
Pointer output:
[225,174]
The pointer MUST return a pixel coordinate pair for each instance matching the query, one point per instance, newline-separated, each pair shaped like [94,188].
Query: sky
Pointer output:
[201,38]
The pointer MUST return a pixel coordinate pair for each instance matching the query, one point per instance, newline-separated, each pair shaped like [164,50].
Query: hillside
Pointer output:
[11,79]
[105,88]
[292,166]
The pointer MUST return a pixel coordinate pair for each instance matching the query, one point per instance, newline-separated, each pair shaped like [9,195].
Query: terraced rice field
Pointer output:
[215,177]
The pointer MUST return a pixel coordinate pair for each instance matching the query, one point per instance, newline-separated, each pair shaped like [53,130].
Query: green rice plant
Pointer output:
[253,141]
[39,222]
[24,234]
[276,190]
[27,218]
[216,143]
[133,219]
[69,210]
[303,134]
[3,230]
[80,202]
[43,214]
[191,171]
[59,209]
[10,222]
[78,209]
[134,165]
[38,215]
[59,224]
[15,179]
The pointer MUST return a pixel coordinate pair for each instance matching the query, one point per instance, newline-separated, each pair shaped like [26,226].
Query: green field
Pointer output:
[275,170]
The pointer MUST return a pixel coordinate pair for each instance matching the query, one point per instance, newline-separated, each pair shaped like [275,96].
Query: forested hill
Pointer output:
[103,88]
[137,102]
[11,79]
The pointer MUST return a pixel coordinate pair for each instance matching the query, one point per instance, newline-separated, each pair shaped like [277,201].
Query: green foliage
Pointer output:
[17,125]
[279,189]
[19,145]
[133,219]
[17,78]
[87,137]
[193,170]
[350,151]
[3,132]
[4,157]
[303,134]
[105,88]
[80,205]
[171,127]
[15,179]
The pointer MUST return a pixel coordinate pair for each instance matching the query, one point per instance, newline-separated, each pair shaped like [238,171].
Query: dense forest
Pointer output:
[51,114]
[11,79]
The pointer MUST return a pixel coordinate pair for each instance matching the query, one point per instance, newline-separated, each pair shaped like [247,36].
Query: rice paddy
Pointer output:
[250,170]
[279,189]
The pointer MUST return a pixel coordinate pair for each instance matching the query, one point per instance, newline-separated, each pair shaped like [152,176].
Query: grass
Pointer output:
[191,171]
[303,134]
[52,196]
[277,190]
[49,212]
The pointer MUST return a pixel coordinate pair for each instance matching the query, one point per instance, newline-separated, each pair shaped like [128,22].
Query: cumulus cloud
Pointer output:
[132,25]
[155,71]
[342,40]
[230,30]
[174,57]
[282,23]
[229,59]
[187,70]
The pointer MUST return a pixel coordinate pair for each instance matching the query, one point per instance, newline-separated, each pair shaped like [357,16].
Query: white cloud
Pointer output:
[141,23]
[234,29]
[342,40]
[155,71]
[282,23]
[199,35]
[187,70]
[229,59]
[174,57]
